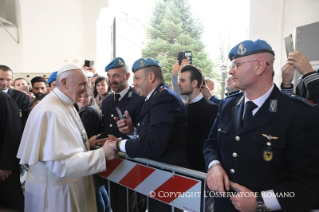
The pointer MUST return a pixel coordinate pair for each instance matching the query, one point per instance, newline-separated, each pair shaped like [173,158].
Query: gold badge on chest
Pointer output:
[268,155]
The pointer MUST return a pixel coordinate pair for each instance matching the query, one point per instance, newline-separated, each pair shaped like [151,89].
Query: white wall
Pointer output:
[272,20]
[52,32]
[57,32]
[11,53]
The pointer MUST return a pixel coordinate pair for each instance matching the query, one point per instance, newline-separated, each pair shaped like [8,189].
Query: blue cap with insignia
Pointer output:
[115,63]
[249,47]
[143,63]
[52,77]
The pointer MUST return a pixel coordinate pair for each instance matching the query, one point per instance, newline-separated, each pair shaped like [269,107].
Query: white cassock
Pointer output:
[59,177]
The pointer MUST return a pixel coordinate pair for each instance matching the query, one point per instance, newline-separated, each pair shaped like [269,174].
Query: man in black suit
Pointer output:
[21,99]
[11,196]
[161,123]
[263,141]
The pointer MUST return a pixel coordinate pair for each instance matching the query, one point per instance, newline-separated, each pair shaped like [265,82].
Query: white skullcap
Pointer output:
[67,67]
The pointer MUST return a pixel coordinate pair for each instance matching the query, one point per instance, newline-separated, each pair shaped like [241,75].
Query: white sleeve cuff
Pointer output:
[133,135]
[270,200]
[212,163]
[122,145]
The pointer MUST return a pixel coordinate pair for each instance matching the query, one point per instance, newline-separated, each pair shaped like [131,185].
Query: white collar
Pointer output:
[63,97]
[197,98]
[149,95]
[122,93]
[5,91]
[260,100]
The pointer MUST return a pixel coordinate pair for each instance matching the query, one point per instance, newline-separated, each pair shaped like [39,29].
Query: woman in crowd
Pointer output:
[101,90]
[89,113]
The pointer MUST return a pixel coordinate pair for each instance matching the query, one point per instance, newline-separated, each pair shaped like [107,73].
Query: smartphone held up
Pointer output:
[184,55]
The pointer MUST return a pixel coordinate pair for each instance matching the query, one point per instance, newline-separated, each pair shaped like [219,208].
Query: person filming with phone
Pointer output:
[308,87]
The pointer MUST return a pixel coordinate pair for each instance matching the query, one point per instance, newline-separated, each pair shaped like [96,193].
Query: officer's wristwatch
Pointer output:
[261,207]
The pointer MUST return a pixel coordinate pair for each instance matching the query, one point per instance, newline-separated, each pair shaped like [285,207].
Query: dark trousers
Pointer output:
[11,195]
[118,197]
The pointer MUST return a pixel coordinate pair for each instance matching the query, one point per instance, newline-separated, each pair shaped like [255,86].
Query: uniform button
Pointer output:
[111,125]
[268,143]
[138,124]
[112,115]
[234,154]
[219,129]
[232,171]
[137,136]
[237,138]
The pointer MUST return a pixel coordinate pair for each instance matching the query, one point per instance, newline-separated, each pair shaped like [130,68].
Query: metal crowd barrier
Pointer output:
[173,185]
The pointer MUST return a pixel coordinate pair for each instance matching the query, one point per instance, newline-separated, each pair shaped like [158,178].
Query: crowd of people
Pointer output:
[258,139]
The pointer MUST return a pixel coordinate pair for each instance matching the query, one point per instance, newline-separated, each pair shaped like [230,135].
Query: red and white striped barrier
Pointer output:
[176,190]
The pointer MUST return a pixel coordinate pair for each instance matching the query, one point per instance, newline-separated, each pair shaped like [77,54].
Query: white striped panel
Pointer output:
[156,179]
[122,170]
[189,203]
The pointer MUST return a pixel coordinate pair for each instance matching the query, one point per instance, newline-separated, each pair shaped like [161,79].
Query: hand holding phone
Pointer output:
[289,44]
[119,112]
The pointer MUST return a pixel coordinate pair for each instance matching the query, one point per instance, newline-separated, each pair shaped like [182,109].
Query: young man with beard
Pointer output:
[126,99]
[201,114]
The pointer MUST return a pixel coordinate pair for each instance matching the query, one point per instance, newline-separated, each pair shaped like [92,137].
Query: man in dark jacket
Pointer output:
[21,99]
[161,122]
[11,196]
[263,141]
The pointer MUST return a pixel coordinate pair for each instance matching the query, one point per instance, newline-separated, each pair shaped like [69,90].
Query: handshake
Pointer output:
[109,143]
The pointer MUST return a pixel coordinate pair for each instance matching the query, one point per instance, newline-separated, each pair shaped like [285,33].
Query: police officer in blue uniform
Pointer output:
[123,97]
[161,123]
[127,100]
[263,141]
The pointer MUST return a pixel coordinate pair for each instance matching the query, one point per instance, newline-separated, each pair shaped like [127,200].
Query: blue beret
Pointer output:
[249,47]
[52,77]
[115,63]
[143,63]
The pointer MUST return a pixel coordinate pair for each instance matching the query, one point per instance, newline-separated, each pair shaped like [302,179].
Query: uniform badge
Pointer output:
[241,49]
[162,88]
[121,62]
[273,105]
[268,155]
[142,63]
[269,137]
[130,94]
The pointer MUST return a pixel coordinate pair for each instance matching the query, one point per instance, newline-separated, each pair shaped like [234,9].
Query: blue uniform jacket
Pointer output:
[161,129]
[286,162]
[130,102]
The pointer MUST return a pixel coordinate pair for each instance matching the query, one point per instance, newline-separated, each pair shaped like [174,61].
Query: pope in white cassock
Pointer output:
[55,146]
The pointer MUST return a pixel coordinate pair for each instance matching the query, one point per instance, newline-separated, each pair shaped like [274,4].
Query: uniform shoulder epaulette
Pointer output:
[235,94]
[162,88]
[303,100]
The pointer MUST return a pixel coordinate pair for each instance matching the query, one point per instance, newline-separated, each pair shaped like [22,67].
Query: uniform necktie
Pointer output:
[249,107]
[117,99]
